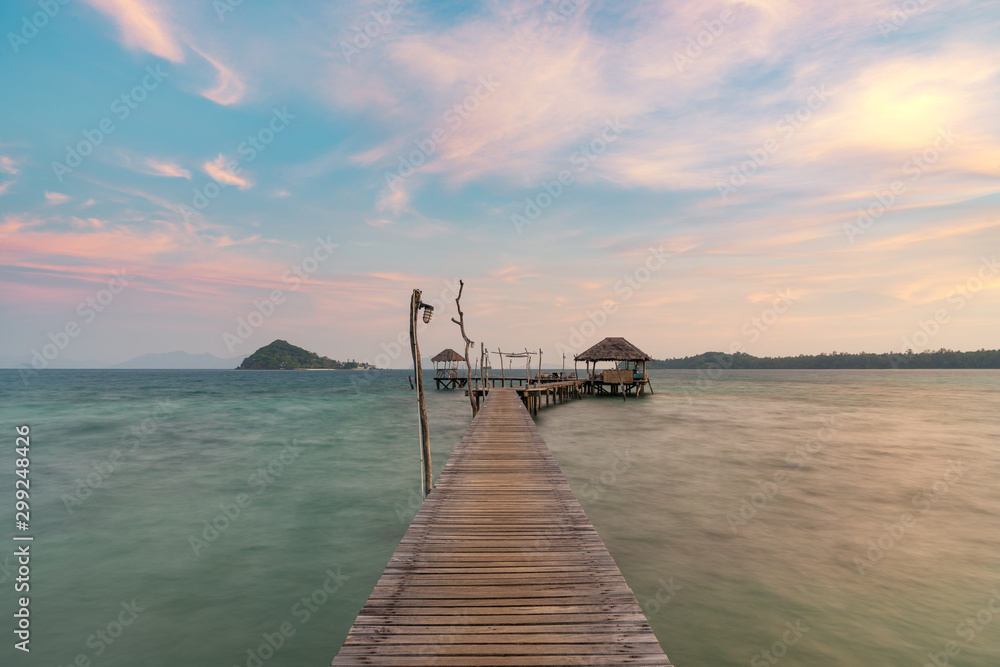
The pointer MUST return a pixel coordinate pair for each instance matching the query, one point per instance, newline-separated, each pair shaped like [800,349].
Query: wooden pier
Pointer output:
[501,567]
[532,395]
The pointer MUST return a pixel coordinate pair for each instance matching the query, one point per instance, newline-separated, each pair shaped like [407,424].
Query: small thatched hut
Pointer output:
[446,371]
[627,374]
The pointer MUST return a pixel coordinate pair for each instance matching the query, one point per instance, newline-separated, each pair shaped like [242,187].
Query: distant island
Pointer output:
[282,355]
[941,359]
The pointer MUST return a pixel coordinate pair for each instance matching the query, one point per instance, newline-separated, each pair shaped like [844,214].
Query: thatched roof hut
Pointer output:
[447,355]
[447,374]
[623,376]
[613,349]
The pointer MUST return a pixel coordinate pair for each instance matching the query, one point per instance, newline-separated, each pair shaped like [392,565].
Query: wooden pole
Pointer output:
[426,478]
[503,375]
[621,380]
[468,343]
[483,358]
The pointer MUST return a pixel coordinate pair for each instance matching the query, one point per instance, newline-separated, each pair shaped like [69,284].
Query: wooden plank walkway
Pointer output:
[501,567]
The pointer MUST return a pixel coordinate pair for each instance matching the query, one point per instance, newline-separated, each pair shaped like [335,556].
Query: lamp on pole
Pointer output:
[416,305]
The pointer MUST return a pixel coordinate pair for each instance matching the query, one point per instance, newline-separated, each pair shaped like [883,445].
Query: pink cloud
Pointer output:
[142,26]
[8,165]
[166,169]
[229,87]
[56,198]
[217,170]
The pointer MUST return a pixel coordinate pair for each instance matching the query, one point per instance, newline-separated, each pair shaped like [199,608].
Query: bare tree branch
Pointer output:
[468,343]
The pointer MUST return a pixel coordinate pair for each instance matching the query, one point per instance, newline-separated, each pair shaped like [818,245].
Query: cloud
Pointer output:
[167,169]
[145,25]
[393,198]
[217,170]
[8,165]
[229,87]
[56,198]
[142,26]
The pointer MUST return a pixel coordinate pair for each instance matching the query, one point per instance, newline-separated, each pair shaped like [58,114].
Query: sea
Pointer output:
[241,518]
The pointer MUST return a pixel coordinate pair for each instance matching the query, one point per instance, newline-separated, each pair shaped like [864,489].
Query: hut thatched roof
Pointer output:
[448,355]
[613,349]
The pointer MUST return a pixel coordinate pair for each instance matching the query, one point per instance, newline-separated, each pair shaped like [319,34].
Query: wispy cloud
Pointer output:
[148,25]
[8,165]
[143,26]
[217,170]
[56,198]
[393,199]
[229,87]
[167,169]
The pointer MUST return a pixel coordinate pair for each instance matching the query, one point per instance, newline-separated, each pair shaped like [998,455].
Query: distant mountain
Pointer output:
[8,361]
[940,359]
[162,360]
[282,355]
[179,361]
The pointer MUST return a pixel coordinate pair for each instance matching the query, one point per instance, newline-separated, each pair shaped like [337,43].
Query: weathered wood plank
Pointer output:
[501,566]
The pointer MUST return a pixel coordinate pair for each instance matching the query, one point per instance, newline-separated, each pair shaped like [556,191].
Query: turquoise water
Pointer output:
[128,466]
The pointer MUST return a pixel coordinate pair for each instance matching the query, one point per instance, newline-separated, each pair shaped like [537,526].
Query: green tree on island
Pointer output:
[282,355]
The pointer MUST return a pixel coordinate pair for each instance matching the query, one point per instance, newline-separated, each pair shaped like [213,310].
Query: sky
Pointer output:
[765,176]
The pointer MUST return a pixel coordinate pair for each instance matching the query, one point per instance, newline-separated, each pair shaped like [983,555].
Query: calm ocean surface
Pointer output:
[859,508]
